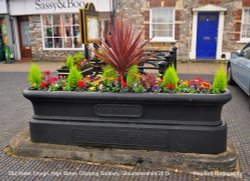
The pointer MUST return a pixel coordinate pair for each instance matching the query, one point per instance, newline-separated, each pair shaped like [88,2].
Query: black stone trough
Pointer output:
[185,123]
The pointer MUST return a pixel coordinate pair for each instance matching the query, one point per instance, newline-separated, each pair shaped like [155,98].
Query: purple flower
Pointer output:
[154,88]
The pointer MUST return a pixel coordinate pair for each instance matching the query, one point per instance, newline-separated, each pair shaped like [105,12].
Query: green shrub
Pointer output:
[170,77]
[73,77]
[35,76]
[109,75]
[220,80]
[133,76]
[78,57]
[70,61]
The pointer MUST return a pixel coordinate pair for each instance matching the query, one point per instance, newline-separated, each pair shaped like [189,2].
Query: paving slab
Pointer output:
[15,112]
[21,145]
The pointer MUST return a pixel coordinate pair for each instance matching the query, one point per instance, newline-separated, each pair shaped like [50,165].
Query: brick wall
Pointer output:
[216,2]
[137,13]
[232,26]
[246,3]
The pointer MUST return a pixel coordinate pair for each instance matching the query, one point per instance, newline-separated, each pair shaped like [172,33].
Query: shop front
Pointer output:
[5,33]
[48,30]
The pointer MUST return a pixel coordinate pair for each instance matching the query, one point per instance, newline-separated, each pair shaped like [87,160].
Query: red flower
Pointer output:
[43,85]
[47,72]
[170,86]
[124,84]
[205,84]
[52,80]
[118,78]
[81,84]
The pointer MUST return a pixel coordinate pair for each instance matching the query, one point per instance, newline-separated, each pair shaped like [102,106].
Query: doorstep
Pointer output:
[24,60]
[21,145]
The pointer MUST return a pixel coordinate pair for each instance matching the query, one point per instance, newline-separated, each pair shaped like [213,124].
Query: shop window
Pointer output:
[245,27]
[162,24]
[61,31]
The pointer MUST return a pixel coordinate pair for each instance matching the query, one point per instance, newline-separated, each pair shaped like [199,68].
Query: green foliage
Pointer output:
[109,75]
[70,61]
[121,49]
[139,88]
[60,85]
[73,77]
[133,76]
[78,57]
[170,77]
[35,76]
[220,80]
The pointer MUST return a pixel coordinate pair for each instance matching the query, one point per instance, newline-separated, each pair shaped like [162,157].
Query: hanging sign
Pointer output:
[90,24]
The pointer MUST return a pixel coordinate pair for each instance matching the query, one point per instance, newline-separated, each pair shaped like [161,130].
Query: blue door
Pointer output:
[207,35]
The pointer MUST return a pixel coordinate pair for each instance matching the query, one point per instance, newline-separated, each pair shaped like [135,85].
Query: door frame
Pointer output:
[20,37]
[208,8]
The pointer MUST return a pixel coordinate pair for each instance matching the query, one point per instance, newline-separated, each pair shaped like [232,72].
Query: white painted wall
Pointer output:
[3,7]
[28,7]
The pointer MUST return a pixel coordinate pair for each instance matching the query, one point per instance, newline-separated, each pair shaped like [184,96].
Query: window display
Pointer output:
[61,31]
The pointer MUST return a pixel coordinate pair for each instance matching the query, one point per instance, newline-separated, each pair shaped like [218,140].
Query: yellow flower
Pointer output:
[96,83]
[92,89]
[158,79]
[34,84]
[185,83]
[111,78]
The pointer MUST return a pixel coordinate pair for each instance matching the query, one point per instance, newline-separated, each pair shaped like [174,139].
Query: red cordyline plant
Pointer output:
[123,49]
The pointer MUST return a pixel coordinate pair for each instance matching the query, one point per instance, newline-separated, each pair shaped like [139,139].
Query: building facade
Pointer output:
[48,30]
[201,29]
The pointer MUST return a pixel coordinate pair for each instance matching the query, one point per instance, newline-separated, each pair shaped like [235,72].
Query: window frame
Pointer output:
[242,20]
[52,26]
[161,39]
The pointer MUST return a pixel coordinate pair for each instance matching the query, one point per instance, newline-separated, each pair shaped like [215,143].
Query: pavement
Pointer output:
[183,68]
[15,112]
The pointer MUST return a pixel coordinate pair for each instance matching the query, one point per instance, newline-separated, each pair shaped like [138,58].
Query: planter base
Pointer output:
[171,138]
[186,123]
[154,160]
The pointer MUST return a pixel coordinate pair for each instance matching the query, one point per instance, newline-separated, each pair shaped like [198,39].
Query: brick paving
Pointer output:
[15,112]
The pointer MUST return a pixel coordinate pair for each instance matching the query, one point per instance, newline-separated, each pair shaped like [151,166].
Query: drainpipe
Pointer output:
[113,12]
[9,27]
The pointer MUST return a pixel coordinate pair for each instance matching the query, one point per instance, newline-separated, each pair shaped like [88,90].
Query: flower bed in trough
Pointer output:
[123,109]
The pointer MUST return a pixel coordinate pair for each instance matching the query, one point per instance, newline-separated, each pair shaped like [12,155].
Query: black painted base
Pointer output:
[171,138]
[187,123]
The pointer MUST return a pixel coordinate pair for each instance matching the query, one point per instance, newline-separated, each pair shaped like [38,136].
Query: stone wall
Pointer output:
[137,12]
[38,54]
[232,26]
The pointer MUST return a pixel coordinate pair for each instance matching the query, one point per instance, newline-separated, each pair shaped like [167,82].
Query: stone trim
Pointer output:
[209,8]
